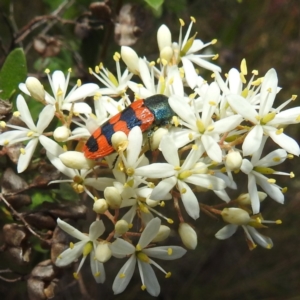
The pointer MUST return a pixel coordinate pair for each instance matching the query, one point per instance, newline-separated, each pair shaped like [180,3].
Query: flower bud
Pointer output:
[166,53]
[233,160]
[119,141]
[103,252]
[100,206]
[188,236]
[121,227]
[163,233]
[130,58]
[76,160]
[235,216]
[61,133]
[112,197]
[157,136]
[35,88]
[244,199]
[164,37]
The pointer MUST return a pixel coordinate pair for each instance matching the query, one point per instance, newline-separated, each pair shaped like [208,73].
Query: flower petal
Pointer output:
[253,140]
[163,252]
[25,113]
[96,230]
[189,200]
[226,232]
[149,232]
[24,159]
[69,229]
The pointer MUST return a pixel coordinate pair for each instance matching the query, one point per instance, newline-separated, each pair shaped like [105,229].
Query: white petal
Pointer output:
[204,63]
[24,159]
[96,230]
[252,140]
[189,72]
[72,230]
[246,166]
[227,124]
[207,181]
[241,106]
[263,241]
[268,92]
[99,183]
[58,81]
[12,136]
[23,88]
[226,232]
[51,146]
[163,188]
[78,107]
[192,158]
[135,139]
[121,281]
[289,116]
[252,189]
[234,81]
[286,142]
[149,232]
[121,248]
[274,158]
[45,118]
[97,267]
[70,255]
[149,278]
[189,200]
[157,170]
[145,75]
[25,113]
[163,252]
[212,95]
[85,90]
[169,150]
[212,148]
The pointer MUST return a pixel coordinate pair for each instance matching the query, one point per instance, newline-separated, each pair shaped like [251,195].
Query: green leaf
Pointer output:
[156,4]
[13,72]
[39,198]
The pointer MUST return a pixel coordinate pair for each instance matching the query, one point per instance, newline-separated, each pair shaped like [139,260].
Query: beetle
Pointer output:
[145,113]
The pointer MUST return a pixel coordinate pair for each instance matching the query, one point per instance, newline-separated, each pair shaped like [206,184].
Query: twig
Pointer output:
[9,280]
[16,214]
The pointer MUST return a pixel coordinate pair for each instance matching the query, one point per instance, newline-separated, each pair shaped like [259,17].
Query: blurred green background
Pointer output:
[267,34]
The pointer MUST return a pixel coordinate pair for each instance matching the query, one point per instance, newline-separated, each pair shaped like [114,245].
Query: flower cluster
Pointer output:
[202,134]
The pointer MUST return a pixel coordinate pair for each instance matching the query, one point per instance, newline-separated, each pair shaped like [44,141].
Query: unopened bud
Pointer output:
[163,233]
[112,197]
[76,160]
[61,133]
[244,199]
[119,141]
[188,236]
[164,37]
[103,252]
[100,206]
[130,58]
[121,227]
[233,160]
[235,216]
[35,88]
[157,136]
[166,53]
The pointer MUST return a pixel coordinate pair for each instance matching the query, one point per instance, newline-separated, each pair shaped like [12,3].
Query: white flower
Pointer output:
[189,172]
[203,130]
[32,134]
[264,120]
[60,99]
[239,217]
[87,245]
[141,255]
[255,170]
[115,86]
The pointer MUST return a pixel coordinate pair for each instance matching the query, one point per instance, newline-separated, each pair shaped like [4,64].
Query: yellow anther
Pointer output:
[79,83]
[138,247]
[101,66]
[284,190]
[47,71]
[168,275]
[279,131]
[143,287]
[192,96]
[116,56]
[170,221]
[191,137]
[70,70]
[278,222]
[214,41]
[162,204]
[170,251]
[244,67]
[298,118]
[2,124]
[75,275]
[71,245]
[271,180]
[215,57]
[22,151]
[195,147]
[97,69]
[292,175]
[164,62]
[269,246]
[122,275]
[151,185]
[255,72]
[181,22]
[177,168]
[130,225]
[193,19]
[183,191]
[97,274]
[91,71]
[269,90]
[16,114]
[290,156]
[294,97]
[152,64]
